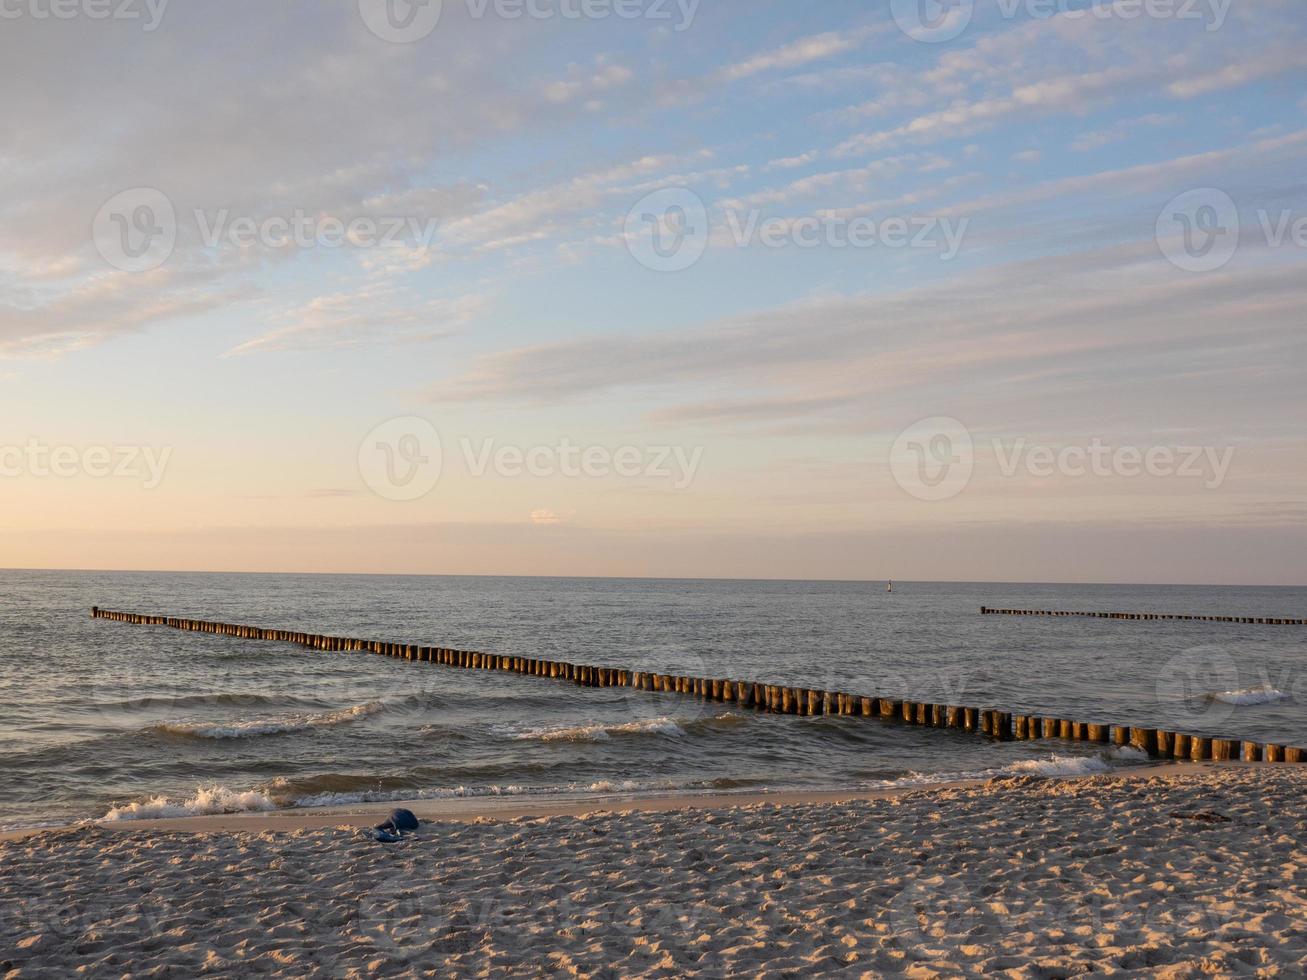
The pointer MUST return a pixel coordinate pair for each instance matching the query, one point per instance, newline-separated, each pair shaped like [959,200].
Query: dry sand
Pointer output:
[1176,872]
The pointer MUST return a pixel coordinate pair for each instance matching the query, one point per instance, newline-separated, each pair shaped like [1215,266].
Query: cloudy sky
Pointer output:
[737,288]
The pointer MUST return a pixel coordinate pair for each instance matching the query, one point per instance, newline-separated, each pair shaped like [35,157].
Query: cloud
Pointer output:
[346,127]
[1121,129]
[1266,63]
[1065,65]
[366,316]
[1036,343]
[587,83]
[791,163]
[547,518]
[853,180]
[816,47]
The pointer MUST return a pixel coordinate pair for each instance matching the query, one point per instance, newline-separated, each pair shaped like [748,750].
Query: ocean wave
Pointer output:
[188,700]
[1059,765]
[603,732]
[603,786]
[206,800]
[1252,695]
[268,726]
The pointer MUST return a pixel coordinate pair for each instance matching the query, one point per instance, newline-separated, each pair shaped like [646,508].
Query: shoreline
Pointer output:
[469,809]
[1174,870]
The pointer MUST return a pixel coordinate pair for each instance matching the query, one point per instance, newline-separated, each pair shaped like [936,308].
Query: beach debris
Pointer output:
[394,827]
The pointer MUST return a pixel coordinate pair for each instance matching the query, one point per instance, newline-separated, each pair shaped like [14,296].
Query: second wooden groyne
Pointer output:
[780,699]
[1260,620]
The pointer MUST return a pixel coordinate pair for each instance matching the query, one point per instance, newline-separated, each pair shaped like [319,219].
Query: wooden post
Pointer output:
[1181,746]
[1096,733]
[1200,748]
[1165,743]
[1223,749]
[1272,752]
[1295,755]
[1144,739]
[1250,752]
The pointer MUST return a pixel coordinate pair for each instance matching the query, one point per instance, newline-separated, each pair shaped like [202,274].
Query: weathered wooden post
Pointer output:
[1144,739]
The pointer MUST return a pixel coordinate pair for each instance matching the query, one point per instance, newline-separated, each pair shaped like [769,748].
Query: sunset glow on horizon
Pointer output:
[682,290]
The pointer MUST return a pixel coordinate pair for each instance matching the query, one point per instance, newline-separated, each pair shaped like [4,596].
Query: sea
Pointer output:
[102,721]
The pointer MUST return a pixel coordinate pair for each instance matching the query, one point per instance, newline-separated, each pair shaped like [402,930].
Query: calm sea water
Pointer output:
[103,719]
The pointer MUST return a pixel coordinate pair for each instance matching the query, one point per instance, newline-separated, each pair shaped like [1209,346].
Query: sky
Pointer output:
[1011,290]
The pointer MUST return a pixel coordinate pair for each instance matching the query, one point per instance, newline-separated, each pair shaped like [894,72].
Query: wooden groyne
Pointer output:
[1259,620]
[779,699]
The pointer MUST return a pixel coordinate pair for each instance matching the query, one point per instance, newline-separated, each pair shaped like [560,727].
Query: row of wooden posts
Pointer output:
[1260,620]
[780,699]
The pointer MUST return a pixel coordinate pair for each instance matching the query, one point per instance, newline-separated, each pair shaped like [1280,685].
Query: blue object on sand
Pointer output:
[385,836]
[400,821]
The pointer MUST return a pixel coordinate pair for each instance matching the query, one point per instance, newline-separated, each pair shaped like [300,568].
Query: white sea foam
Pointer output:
[477,792]
[1128,753]
[1252,695]
[207,800]
[1059,765]
[602,733]
[270,726]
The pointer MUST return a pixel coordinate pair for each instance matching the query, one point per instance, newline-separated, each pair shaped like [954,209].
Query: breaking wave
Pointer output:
[207,800]
[268,726]
[1252,695]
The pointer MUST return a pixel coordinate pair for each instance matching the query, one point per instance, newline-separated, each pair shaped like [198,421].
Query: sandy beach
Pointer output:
[1174,871]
